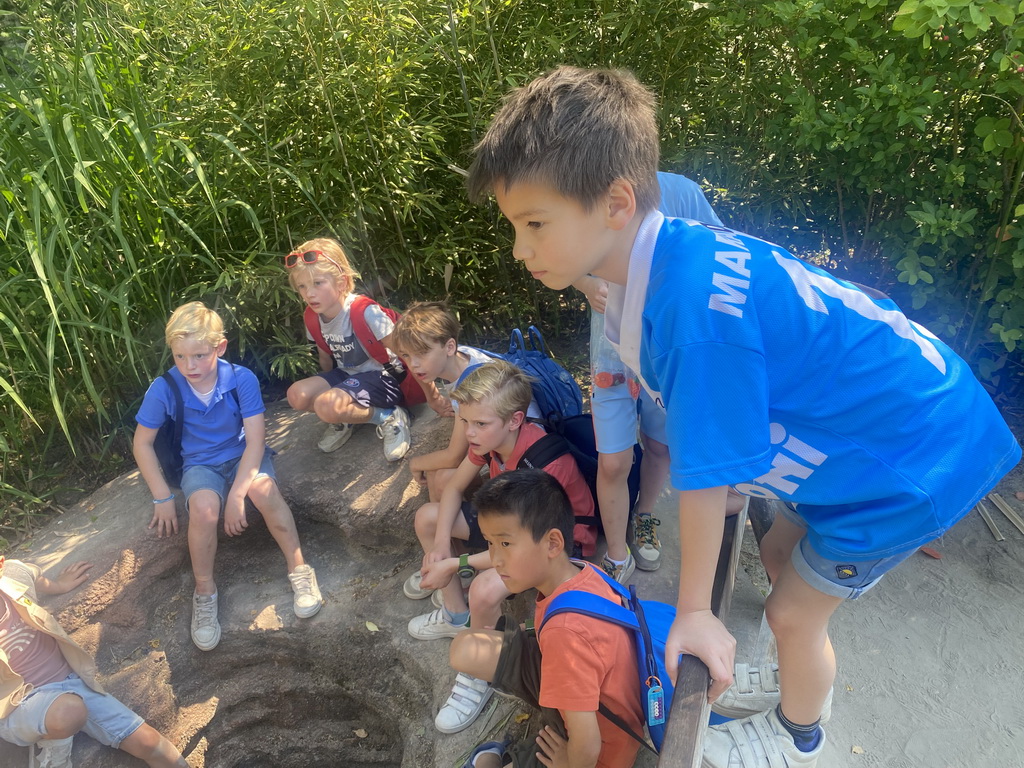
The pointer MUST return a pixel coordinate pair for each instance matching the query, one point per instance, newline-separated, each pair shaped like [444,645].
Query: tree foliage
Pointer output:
[160,152]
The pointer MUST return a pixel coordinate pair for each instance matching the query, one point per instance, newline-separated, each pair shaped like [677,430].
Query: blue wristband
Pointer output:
[161,501]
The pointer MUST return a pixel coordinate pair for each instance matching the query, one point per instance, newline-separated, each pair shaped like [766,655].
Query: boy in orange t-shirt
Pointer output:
[578,662]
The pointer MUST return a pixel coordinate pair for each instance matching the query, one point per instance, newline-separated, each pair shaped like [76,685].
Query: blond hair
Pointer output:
[336,266]
[194,321]
[577,130]
[499,385]
[424,324]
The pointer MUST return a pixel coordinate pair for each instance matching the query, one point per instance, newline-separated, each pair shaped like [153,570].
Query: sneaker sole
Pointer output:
[333,448]
[209,646]
[644,565]
[307,613]
[473,719]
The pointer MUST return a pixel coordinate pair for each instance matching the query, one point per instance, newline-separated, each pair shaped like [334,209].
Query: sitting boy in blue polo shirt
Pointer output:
[226,460]
[778,379]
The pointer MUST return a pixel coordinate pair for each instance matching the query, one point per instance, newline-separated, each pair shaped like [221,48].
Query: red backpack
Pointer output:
[412,392]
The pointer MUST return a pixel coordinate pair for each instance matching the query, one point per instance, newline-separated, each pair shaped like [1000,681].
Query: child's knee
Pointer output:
[332,406]
[426,519]
[298,398]
[66,716]
[204,509]
[265,495]
[654,448]
[487,591]
[614,467]
[784,616]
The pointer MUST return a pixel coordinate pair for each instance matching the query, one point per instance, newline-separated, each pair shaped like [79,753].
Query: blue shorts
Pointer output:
[109,721]
[371,389]
[615,418]
[218,478]
[476,538]
[848,580]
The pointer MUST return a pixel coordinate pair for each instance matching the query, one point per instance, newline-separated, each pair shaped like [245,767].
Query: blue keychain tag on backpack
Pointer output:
[655,703]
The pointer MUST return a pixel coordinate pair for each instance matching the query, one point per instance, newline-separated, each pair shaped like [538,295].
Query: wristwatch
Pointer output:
[466,571]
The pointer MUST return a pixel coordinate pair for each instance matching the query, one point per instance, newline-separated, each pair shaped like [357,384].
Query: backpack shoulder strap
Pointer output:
[312,322]
[544,451]
[361,328]
[179,410]
[465,373]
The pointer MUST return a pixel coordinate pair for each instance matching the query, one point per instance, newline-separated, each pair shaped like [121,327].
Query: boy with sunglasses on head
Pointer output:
[353,387]
[48,687]
[225,460]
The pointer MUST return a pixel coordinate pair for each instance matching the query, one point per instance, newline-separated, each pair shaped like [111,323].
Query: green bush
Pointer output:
[160,152]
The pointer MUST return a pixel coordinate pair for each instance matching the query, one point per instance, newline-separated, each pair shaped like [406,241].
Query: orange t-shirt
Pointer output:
[587,661]
[563,469]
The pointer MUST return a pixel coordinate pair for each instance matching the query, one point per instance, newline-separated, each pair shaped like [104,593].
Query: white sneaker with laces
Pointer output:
[758,741]
[468,699]
[53,753]
[307,599]
[620,573]
[433,625]
[205,627]
[756,689]
[335,436]
[395,434]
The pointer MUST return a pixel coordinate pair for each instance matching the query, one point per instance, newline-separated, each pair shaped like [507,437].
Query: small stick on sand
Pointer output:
[1005,508]
[987,517]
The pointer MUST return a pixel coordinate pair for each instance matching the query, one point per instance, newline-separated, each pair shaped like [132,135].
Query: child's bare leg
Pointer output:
[336,406]
[65,717]
[203,518]
[267,498]
[303,393]
[799,616]
[475,652]
[154,750]
[436,481]
[426,526]
[613,496]
[486,594]
[653,474]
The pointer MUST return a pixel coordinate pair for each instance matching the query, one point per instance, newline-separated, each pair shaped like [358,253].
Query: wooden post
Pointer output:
[688,719]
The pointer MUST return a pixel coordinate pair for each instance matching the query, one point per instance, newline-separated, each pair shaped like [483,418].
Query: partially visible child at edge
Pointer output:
[613,401]
[493,400]
[778,379]
[48,687]
[352,387]
[226,460]
[577,662]
[426,339]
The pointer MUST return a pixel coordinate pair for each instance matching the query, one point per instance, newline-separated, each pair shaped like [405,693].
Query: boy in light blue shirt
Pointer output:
[777,378]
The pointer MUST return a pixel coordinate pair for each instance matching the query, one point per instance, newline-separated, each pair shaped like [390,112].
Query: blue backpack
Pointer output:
[555,391]
[649,621]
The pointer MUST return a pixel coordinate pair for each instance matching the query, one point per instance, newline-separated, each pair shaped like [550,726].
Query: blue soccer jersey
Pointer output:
[788,383]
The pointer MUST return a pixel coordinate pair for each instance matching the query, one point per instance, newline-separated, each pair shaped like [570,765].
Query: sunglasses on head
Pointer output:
[295,258]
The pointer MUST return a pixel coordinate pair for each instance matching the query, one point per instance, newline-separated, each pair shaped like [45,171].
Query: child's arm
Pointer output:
[580,750]
[69,578]
[438,574]
[696,630]
[446,458]
[165,515]
[326,360]
[448,510]
[248,467]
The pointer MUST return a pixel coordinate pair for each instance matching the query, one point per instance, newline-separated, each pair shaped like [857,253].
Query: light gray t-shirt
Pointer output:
[348,353]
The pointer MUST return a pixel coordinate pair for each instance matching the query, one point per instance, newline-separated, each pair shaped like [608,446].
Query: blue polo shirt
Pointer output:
[212,434]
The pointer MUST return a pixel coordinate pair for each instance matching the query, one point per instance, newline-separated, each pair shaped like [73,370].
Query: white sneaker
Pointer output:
[395,434]
[335,436]
[412,588]
[758,741]
[205,627]
[756,689]
[307,594]
[620,573]
[53,753]
[645,543]
[468,699]
[433,625]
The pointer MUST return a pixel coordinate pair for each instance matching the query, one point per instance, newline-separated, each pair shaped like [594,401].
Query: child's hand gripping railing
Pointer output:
[688,719]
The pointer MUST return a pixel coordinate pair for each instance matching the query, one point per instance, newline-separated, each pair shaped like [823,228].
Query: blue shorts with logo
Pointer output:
[371,389]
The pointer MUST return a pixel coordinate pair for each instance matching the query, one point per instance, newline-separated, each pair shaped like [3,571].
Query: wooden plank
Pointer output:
[684,738]
[987,517]
[1007,511]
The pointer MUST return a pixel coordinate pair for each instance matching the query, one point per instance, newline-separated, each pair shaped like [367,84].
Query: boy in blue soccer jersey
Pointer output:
[778,379]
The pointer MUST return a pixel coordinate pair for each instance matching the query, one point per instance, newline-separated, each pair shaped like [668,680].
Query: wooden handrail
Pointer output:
[688,718]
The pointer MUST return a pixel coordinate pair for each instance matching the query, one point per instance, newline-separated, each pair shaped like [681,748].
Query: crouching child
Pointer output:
[48,687]
[578,662]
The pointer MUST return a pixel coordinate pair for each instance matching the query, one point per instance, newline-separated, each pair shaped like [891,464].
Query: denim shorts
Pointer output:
[845,579]
[218,478]
[109,721]
[615,418]
[371,389]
